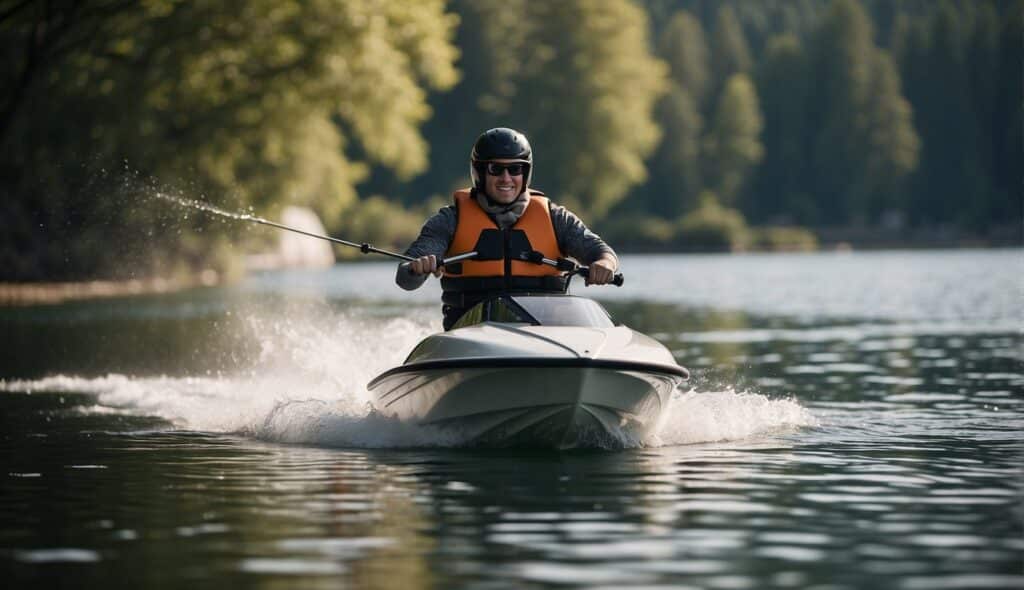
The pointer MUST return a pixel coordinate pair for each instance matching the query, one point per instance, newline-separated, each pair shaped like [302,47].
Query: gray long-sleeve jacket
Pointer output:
[574,239]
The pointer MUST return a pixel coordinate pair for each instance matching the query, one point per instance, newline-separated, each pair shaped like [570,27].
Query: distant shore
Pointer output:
[49,293]
[844,243]
[42,293]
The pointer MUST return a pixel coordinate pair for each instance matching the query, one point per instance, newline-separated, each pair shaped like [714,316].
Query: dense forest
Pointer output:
[666,124]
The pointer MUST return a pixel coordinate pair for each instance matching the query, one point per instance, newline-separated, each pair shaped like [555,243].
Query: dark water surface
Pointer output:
[854,421]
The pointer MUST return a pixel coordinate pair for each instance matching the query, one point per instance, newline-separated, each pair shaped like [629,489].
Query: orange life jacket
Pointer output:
[500,252]
[498,265]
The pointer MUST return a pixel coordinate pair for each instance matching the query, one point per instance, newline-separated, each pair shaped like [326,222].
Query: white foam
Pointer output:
[296,410]
[309,387]
[698,417]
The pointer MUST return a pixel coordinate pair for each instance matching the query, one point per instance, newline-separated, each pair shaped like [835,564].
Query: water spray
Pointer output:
[364,247]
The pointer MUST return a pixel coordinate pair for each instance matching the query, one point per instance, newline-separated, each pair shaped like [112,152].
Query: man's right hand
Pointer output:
[426,264]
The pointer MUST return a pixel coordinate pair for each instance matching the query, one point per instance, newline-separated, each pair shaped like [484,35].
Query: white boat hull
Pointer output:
[582,403]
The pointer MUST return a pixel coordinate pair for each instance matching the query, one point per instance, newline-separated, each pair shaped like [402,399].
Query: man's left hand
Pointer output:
[602,271]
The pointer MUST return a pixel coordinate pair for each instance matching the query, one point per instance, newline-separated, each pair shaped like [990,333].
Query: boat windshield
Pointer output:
[539,310]
[565,310]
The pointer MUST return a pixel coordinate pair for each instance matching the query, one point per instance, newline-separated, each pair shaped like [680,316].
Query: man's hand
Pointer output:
[426,264]
[602,271]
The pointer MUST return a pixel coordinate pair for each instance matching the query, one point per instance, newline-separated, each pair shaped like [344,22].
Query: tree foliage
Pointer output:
[676,172]
[861,141]
[952,64]
[676,166]
[734,138]
[591,124]
[780,193]
[683,46]
[577,77]
[827,113]
[248,102]
[712,226]
[842,142]
[730,53]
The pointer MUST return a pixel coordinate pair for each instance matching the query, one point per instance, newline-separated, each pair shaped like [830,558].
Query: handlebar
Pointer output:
[457,258]
[449,260]
[617,280]
[570,267]
[564,264]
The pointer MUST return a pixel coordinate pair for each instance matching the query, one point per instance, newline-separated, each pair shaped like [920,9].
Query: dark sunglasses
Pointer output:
[495,169]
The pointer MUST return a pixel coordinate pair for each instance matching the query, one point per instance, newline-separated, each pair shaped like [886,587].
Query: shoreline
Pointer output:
[51,293]
[14,294]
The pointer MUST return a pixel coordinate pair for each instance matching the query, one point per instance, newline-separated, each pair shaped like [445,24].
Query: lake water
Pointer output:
[853,421]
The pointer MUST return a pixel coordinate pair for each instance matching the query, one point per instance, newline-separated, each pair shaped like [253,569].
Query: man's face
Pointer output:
[503,187]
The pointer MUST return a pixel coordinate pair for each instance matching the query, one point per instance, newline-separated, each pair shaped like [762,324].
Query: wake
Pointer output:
[308,386]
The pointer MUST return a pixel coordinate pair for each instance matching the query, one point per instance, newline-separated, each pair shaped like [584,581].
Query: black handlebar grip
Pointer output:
[617,280]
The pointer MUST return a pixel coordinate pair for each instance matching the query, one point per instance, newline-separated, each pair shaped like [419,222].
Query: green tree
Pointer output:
[575,76]
[730,53]
[250,103]
[950,180]
[893,146]
[733,144]
[585,97]
[841,68]
[682,45]
[492,38]
[676,175]
[846,113]
[781,192]
[1007,123]
[712,226]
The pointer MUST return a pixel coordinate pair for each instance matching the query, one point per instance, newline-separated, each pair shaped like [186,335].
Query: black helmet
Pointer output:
[500,143]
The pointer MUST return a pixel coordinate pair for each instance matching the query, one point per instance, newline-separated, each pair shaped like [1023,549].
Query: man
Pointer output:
[501,218]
